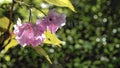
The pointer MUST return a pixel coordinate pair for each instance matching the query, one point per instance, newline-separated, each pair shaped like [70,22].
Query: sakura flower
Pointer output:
[54,20]
[28,34]
[40,24]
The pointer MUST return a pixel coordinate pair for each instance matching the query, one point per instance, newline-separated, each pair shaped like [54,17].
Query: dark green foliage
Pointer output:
[92,37]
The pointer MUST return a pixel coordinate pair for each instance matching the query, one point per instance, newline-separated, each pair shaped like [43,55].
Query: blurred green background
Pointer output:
[92,36]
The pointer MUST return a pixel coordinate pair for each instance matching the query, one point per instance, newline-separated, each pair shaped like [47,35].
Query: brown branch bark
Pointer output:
[11,14]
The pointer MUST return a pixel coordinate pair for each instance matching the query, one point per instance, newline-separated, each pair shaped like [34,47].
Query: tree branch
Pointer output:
[11,13]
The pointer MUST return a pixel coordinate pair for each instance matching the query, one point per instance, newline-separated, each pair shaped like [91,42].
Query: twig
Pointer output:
[11,12]
[30,12]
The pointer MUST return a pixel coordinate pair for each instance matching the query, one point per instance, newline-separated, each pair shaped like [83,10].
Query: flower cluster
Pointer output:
[33,34]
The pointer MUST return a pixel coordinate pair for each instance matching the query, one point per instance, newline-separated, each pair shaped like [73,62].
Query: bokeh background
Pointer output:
[91,36]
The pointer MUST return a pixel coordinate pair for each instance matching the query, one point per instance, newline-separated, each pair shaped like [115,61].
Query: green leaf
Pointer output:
[5,1]
[41,51]
[4,22]
[52,39]
[11,44]
[62,3]
[5,36]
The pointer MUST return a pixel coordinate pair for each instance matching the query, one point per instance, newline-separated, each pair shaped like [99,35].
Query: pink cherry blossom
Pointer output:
[28,33]
[54,20]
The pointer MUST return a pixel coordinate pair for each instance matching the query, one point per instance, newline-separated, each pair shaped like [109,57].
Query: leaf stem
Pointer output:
[29,6]
[30,12]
